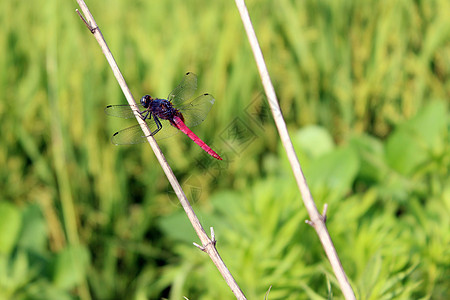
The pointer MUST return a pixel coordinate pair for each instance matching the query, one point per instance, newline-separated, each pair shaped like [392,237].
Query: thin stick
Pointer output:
[208,244]
[317,220]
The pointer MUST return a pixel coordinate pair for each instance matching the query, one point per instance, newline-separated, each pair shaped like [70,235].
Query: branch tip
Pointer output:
[91,29]
[213,236]
[267,293]
[198,246]
[324,213]
[203,248]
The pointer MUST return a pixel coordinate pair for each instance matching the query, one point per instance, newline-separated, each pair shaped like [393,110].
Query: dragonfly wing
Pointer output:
[135,135]
[167,130]
[196,111]
[122,111]
[185,90]
[130,135]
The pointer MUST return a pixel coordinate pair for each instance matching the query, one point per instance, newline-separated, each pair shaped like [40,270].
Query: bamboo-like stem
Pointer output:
[317,220]
[208,245]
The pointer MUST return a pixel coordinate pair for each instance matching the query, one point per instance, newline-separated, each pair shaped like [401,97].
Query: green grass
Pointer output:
[83,219]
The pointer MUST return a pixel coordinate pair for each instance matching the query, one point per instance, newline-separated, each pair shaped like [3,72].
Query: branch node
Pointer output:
[203,248]
[322,217]
[91,29]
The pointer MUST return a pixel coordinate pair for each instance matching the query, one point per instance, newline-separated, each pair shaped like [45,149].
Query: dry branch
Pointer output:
[208,245]
[317,220]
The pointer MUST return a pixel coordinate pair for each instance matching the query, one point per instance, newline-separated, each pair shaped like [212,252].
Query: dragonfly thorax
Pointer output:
[160,108]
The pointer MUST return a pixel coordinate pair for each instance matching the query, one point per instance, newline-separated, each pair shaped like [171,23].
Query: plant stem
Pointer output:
[317,220]
[208,245]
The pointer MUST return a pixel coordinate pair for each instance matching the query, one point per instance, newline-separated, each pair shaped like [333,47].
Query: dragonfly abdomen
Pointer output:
[178,122]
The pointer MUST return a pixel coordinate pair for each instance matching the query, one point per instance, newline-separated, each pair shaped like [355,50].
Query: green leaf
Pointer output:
[33,235]
[333,174]
[314,141]
[414,142]
[10,223]
[371,274]
[372,158]
[70,266]
[403,152]
[430,125]
[177,227]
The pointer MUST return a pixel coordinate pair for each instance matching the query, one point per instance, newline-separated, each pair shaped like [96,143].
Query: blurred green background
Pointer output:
[364,87]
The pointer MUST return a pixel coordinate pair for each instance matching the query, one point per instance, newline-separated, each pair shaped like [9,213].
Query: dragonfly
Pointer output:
[166,117]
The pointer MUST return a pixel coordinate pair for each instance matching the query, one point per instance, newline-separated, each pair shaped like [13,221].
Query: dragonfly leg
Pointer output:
[144,117]
[158,125]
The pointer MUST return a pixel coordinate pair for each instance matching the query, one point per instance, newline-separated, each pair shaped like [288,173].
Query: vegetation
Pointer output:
[364,87]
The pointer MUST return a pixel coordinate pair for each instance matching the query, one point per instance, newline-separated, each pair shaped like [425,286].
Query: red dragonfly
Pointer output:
[175,114]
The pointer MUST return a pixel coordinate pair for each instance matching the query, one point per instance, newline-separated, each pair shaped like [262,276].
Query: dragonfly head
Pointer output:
[145,100]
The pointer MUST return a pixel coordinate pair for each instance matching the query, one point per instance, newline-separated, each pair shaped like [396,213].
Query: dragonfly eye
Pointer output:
[145,101]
